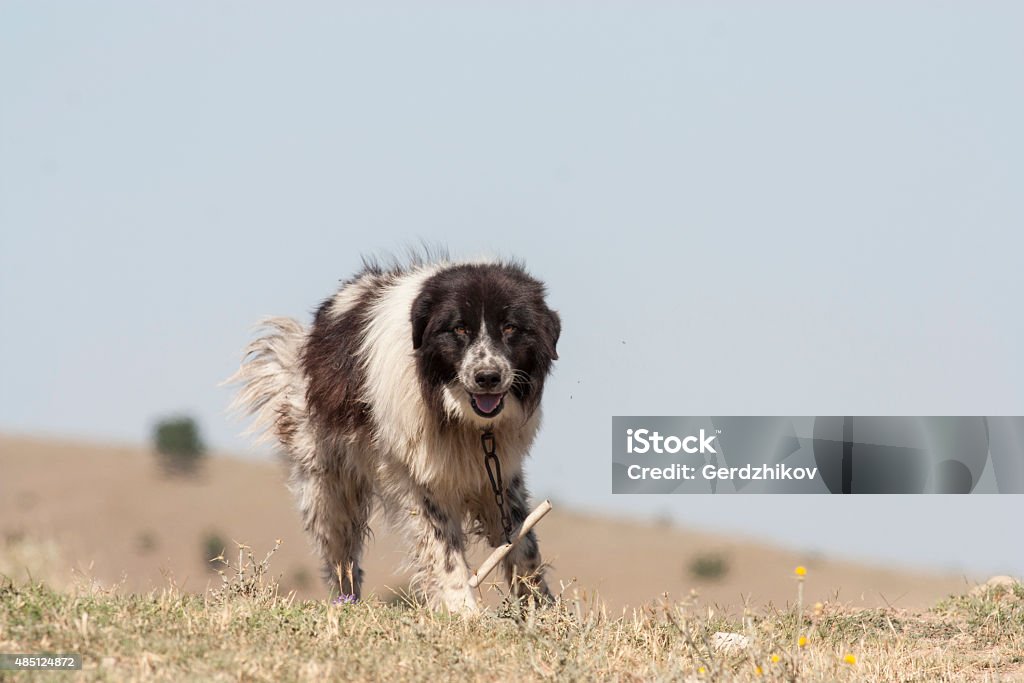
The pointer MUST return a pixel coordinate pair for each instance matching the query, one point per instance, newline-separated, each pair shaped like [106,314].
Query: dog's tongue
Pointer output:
[487,403]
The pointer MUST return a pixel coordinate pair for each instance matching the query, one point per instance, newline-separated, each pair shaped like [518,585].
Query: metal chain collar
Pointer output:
[493,466]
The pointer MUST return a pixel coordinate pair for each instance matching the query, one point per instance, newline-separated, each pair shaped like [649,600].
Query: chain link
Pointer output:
[493,466]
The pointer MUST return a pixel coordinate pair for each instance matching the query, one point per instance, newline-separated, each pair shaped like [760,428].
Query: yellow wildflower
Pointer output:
[850,659]
[776,659]
[800,571]
[802,641]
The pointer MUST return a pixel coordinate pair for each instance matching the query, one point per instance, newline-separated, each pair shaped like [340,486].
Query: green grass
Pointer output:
[246,630]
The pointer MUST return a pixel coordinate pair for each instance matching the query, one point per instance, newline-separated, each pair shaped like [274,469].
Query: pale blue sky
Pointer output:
[803,209]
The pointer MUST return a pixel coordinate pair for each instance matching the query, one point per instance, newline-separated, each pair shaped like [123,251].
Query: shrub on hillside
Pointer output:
[709,567]
[179,445]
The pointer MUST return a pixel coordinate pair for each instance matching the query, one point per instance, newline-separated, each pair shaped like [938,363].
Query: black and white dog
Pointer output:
[387,396]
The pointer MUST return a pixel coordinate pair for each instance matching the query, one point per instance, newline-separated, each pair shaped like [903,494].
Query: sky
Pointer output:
[739,209]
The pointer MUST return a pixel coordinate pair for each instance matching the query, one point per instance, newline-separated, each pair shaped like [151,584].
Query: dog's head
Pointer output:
[485,340]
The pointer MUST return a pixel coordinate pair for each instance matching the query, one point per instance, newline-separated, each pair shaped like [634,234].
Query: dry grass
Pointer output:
[247,630]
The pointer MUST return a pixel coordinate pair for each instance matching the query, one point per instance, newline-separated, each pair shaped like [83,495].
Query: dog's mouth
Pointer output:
[487,405]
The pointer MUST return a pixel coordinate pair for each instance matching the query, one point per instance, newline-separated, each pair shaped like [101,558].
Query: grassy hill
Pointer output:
[103,556]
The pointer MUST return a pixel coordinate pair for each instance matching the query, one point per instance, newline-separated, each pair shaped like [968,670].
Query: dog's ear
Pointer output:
[420,318]
[552,331]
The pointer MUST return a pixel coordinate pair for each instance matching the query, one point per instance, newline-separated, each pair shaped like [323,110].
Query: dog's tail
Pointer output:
[272,386]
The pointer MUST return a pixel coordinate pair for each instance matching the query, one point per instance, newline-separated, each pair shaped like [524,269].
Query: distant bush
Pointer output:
[709,567]
[146,542]
[179,445]
[302,578]
[213,550]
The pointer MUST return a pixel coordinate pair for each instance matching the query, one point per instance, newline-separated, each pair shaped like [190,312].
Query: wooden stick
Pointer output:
[502,550]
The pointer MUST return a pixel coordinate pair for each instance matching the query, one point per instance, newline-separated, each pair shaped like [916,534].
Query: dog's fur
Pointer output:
[386,396]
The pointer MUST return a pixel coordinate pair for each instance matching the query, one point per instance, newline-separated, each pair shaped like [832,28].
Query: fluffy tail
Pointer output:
[272,385]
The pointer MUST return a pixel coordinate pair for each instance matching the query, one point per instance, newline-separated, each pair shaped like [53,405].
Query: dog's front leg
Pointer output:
[439,554]
[335,506]
[524,569]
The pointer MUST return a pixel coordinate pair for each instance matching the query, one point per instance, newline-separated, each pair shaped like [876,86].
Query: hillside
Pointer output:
[107,512]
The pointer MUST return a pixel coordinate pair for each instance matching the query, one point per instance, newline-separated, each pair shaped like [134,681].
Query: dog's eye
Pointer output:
[460,330]
[509,328]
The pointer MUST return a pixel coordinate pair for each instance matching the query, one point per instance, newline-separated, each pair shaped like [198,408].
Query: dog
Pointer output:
[388,396]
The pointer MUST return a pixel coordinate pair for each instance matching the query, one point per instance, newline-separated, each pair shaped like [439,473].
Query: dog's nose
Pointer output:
[487,380]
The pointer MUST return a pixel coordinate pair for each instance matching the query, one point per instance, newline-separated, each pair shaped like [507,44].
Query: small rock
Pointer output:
[1007,581]
[1000,583]
[729,642]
